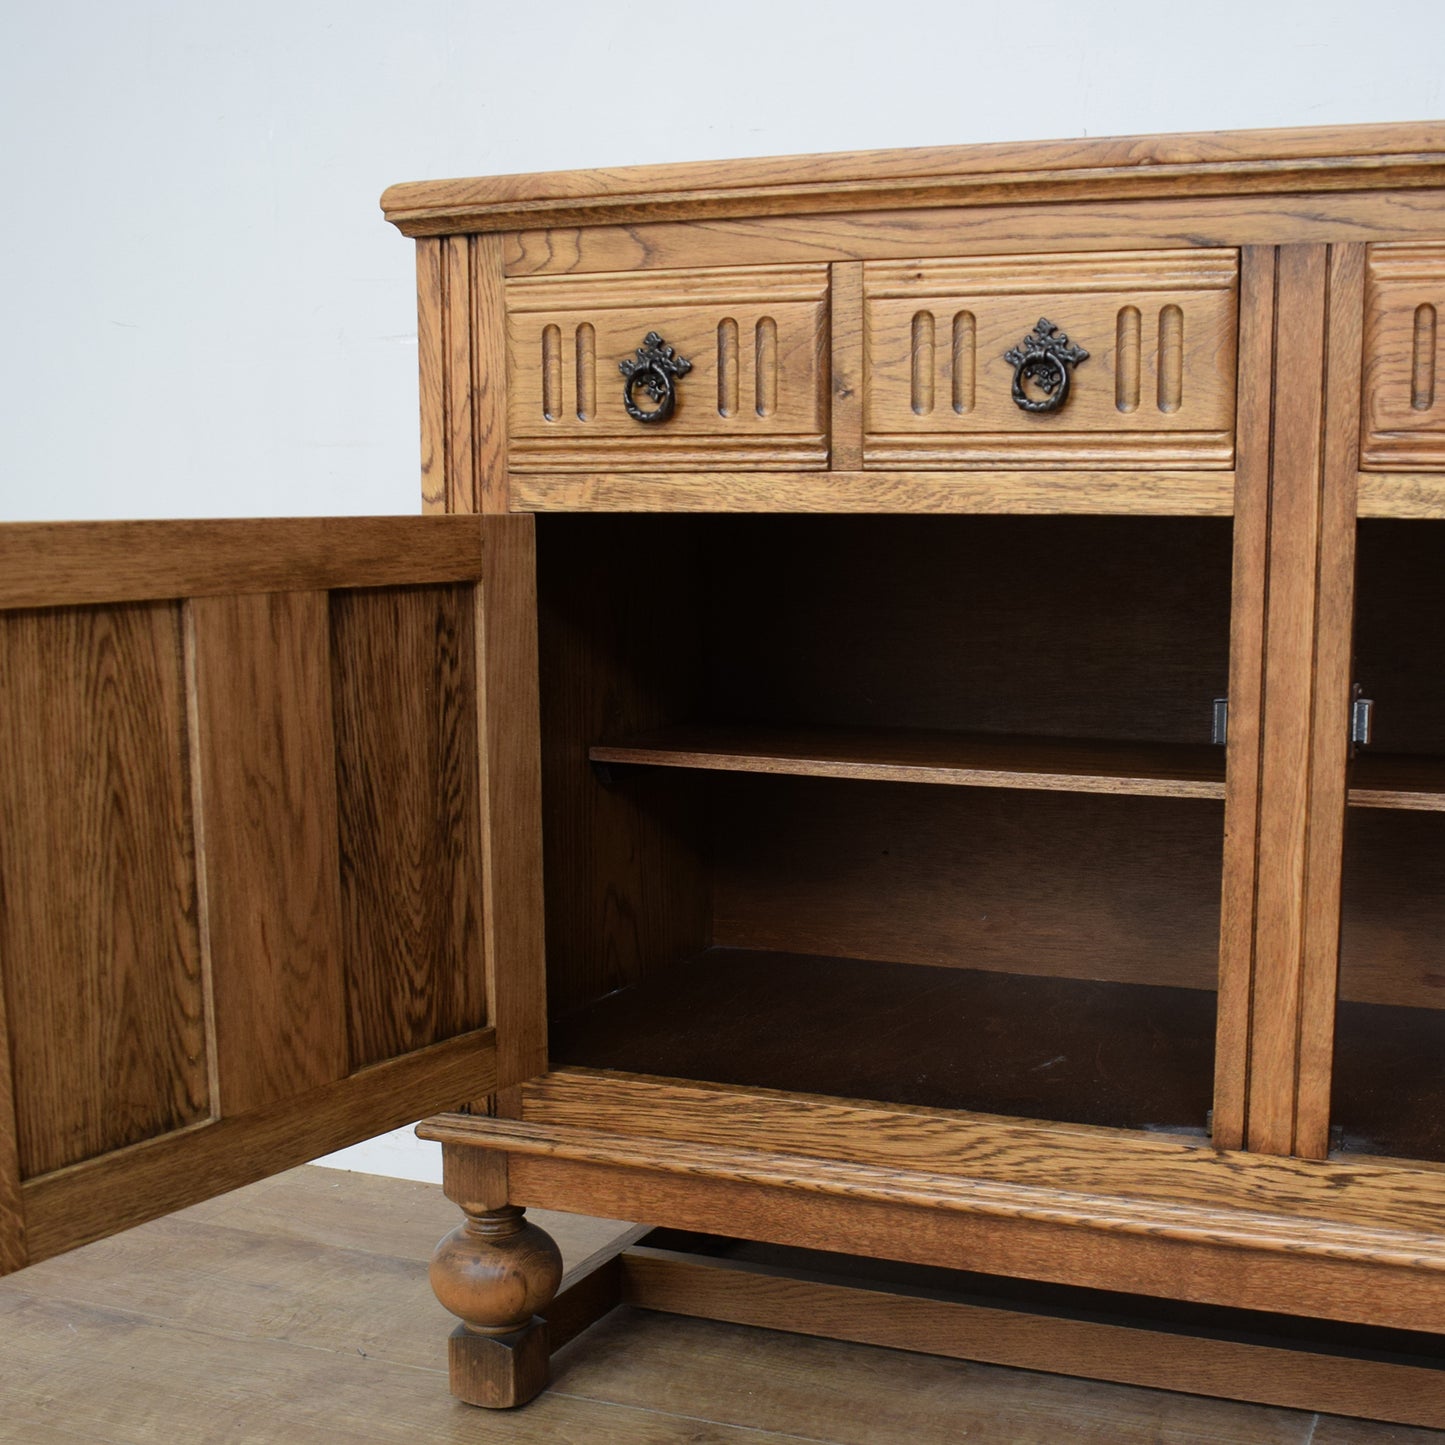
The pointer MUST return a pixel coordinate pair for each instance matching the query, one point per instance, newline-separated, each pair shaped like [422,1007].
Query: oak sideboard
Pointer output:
[911,762]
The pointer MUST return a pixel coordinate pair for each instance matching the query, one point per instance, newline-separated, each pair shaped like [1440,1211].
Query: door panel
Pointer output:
[249,912]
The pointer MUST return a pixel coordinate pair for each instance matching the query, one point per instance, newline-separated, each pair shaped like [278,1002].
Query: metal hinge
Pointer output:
[1362,718]
[1219,727]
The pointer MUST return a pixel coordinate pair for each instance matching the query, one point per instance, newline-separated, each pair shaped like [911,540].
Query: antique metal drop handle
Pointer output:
[655,371]
[1044,359]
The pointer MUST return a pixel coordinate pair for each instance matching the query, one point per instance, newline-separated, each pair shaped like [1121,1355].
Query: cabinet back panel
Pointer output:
[1117,889]
[1400,620]
[1392,936]
[1389,1086]
[1106,628]
[1061,626]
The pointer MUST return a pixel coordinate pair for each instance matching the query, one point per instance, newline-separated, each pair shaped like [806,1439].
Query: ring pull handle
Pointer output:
[1043,362]
[654,371]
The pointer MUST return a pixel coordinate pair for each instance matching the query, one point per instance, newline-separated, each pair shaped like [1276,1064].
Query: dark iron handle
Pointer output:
[655,371]
[1045,360]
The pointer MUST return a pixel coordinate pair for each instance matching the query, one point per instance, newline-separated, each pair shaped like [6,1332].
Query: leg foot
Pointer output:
[495,1272]
[499,1371]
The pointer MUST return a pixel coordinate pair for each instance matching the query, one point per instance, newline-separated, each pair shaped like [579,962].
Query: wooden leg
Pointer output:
[495,1272]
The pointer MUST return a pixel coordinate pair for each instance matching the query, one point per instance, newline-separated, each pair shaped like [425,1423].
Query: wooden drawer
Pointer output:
[755,395]
[1157,387]
[1404,413]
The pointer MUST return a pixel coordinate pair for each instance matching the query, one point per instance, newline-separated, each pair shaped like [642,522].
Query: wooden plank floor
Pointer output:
[297,1310]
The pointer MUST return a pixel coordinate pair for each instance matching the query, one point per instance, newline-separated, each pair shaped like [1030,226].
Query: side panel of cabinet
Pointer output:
[250,904]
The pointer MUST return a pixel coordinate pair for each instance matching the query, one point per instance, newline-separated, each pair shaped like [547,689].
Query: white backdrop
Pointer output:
[204,314]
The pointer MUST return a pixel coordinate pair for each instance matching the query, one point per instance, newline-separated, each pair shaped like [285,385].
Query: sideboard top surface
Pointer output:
[1213,162]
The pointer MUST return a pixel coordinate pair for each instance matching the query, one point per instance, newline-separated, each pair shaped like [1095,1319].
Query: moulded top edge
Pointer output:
[1314,157]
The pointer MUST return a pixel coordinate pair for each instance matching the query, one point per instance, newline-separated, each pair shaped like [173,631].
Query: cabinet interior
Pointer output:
[1389,1083]
[917,809]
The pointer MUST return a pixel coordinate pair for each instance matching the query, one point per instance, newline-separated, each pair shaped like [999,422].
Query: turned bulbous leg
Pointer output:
[494,1272]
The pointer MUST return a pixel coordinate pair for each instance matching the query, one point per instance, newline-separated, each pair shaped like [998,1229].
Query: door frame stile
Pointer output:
[1329,745]
[1246,676]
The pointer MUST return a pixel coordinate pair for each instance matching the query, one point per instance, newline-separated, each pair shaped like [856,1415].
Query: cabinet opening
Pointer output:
[921,810]
[1389,1074]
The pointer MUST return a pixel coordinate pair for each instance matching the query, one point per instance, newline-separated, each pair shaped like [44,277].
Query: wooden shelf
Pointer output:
[915,756]
[1398,780]
[1124,1055]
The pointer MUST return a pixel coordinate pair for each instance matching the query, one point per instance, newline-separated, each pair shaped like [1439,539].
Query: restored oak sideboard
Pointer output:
[914,766]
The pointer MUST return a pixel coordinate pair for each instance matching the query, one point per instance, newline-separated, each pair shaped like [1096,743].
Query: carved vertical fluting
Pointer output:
[1171,358]
[1126,359]
[964,361]
[921,364]
[1422,360]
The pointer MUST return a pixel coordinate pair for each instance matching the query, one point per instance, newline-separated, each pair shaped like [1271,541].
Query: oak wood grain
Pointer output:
[1231,1261]
[46,564]
[1333,676]
[1017,491]
[847,367]
[1401,494]
[1365,1193]
[1245,692]
[1320,159]
[1285,778]
[508,728]
[1403,314]
[13,1251]
[431,373]
[95,1198]
[908,755]
[268,790]
[99,948]
[764,403]
[867,234]
[489,377]
[404,688]
[459,340]
[791,1298]
[977,309]
[731,453]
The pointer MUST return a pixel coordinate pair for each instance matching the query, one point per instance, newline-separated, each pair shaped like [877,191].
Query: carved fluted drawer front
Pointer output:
[1404,412]
[752,392]
[977,361]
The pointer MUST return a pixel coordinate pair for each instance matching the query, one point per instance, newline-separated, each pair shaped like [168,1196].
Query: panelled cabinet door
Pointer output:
[269,850]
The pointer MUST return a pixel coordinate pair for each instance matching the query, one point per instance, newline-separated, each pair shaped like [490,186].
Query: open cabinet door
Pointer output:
[270,876]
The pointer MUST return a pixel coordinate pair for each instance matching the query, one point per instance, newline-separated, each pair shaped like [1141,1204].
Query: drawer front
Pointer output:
[754,396]
[1404,412]
[1157,387]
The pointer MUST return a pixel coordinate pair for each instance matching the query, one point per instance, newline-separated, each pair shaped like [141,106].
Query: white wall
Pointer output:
[205,315]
